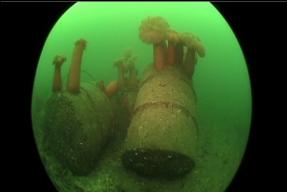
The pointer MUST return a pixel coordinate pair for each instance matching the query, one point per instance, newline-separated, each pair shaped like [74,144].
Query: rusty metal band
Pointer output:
[152,76]
[166,104]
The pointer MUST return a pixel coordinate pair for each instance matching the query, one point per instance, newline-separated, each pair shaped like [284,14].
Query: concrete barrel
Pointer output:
[77,127]
[161,139]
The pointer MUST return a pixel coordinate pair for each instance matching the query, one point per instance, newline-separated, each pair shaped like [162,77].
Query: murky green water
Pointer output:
[222,99]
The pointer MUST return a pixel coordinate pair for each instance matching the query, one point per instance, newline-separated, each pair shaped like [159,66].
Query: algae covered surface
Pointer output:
[201,121]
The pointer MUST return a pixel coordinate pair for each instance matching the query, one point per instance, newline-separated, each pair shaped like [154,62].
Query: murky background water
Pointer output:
[221,83]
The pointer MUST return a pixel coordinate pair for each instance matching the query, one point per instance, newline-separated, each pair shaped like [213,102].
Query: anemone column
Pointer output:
[112,88]
[194,47]
[133,81]
[121,72]
[153,30]
[173,40]
[171,54]
[75,71]
[159,54]
[189,62]
[179,53]
[57,82]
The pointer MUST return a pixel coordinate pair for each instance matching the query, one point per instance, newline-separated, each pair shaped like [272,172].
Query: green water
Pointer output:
[221,83]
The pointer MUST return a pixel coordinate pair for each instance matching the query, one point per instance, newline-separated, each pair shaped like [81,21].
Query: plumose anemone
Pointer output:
[153,30]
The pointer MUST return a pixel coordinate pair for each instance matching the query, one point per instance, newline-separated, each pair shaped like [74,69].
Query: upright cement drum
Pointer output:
[161,138]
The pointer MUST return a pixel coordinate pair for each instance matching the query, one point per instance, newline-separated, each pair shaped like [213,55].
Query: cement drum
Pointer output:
[163,130]
[77,127]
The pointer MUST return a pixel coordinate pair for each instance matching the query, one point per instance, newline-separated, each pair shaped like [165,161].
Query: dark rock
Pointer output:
[157,163]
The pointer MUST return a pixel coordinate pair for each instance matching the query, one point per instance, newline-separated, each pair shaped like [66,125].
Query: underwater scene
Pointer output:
[141,97]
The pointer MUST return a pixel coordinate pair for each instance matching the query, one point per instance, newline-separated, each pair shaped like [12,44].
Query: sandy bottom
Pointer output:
[215,167]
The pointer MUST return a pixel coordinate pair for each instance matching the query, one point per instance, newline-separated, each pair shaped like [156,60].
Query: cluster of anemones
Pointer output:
[168,44]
